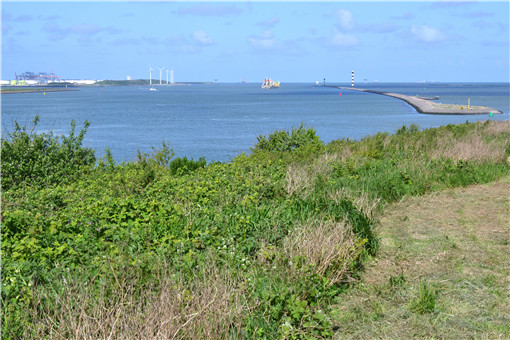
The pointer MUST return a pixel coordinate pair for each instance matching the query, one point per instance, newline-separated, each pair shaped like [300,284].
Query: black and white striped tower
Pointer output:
[352,78]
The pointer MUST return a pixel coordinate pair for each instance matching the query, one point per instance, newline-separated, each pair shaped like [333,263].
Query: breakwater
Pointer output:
[426,106]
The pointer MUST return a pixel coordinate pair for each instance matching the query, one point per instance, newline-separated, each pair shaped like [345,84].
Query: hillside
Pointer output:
[263,246]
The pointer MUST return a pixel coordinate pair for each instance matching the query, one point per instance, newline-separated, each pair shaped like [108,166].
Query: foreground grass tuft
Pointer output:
[425,302]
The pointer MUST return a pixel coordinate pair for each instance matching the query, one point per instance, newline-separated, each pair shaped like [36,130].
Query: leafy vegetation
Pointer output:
[30,159]
[282,140]
[255,248]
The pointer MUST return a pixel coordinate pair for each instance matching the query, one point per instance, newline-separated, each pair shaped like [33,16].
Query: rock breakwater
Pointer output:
[426,106]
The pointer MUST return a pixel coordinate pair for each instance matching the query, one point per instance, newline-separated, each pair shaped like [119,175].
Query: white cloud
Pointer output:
[264,41]
[91,29]
[269,22]
[345,18]
[206,9]
[427,34]
[405,16]
[385,27]
[85,31]
[6,28]
[55,31]
[23,18]
[343,40]
[202,38]
[127,41]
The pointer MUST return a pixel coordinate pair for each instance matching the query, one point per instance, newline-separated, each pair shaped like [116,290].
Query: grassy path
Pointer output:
[442,271]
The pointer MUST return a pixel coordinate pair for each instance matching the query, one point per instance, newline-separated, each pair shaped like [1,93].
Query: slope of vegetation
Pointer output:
[167,247]
[441,272]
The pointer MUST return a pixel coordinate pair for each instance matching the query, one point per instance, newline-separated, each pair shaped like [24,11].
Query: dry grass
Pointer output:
[361,199]
[209,307]
[301,177]
[498,127]
[299,181]
[457,242]
[326,248]
[475,146]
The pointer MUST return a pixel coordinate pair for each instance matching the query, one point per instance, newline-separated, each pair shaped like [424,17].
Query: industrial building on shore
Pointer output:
[43,79]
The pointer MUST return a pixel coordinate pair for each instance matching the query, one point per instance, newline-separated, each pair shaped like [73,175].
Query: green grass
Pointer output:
[441,271]
[425,302]
[259,247]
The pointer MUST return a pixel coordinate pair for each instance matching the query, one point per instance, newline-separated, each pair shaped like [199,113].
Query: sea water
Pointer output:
[220,121]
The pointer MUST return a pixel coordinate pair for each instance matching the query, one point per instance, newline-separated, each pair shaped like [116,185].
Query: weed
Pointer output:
[489,280]
[397,281]
[425,302]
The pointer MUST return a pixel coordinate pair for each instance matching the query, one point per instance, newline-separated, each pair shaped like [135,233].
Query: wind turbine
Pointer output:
[160,72]
[167,76]
[150,75]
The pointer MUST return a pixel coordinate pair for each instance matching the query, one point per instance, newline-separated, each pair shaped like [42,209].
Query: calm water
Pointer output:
[219,121]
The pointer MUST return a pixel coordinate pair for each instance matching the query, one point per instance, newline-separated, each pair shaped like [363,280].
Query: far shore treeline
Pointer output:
[167,247]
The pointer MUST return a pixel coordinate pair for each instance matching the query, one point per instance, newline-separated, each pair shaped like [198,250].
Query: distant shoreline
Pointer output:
[9,90]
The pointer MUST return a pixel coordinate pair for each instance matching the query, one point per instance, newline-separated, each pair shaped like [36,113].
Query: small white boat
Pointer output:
[152,89]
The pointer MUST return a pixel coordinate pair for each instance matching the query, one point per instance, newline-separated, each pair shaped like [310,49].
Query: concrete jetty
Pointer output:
[426,106]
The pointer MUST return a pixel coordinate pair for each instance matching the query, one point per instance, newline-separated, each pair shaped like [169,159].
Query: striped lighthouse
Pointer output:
[352,78]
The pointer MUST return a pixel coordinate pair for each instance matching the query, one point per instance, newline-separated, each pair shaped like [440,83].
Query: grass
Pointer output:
[441,273]
[263,246]
[201,308]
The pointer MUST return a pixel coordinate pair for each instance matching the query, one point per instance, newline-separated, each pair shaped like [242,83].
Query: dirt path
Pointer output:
[455,245]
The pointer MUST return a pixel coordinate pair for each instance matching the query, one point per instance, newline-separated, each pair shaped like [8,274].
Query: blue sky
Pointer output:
[395,41]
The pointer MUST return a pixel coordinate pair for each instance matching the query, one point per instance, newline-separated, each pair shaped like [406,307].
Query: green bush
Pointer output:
[184,165]
[283,140]
[43,159]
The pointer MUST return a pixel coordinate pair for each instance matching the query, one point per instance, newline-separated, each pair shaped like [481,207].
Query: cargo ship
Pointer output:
[270,84]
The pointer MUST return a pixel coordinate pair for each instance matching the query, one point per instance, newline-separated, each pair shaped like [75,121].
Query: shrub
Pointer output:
[184,165]
[283,140]
[43,159]
[159,157]
[405,130]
